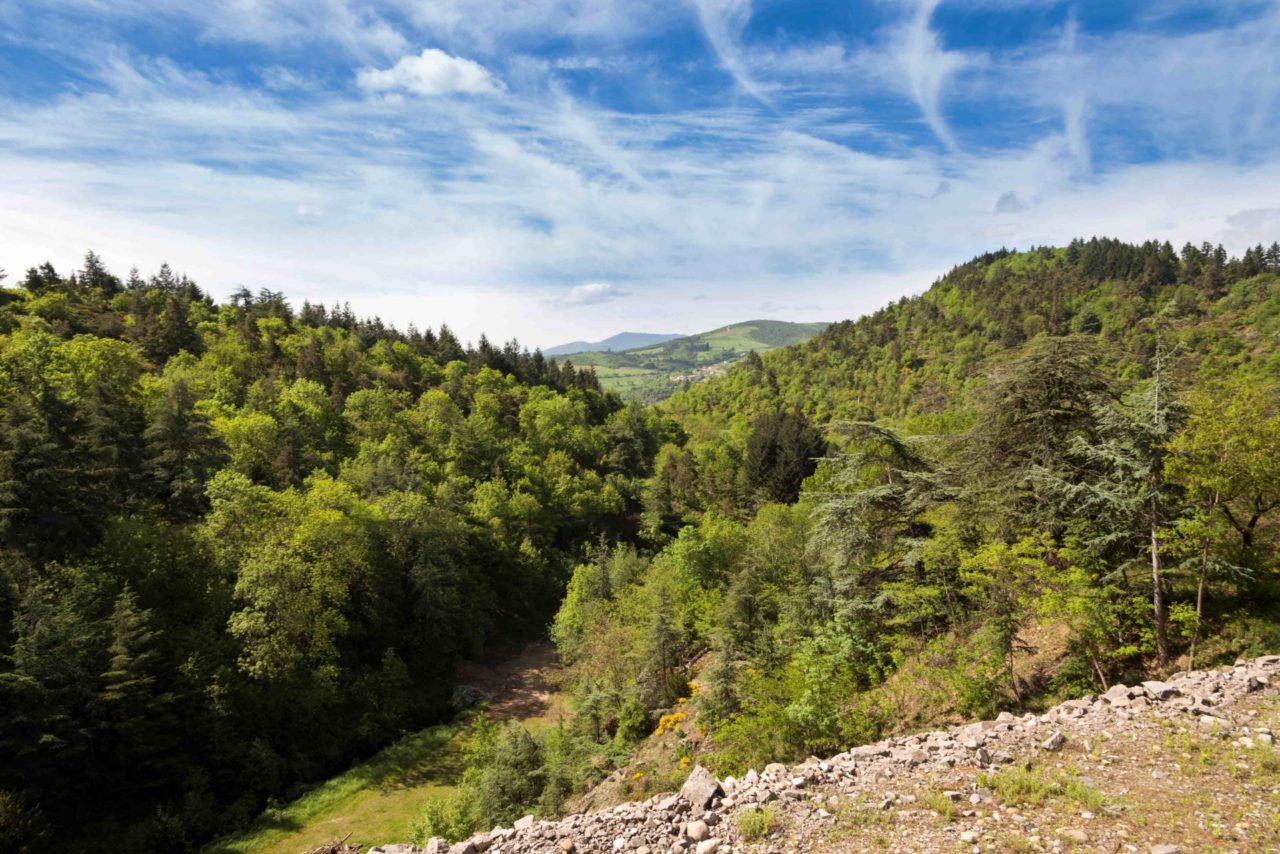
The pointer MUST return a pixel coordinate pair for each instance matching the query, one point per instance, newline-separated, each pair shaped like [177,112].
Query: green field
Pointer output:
[378,800]
[651,374]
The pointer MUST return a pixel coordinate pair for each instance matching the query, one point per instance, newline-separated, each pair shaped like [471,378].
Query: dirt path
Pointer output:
[522,687]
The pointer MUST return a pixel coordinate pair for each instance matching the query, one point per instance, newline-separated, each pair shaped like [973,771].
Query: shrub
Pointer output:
[755,825]
[449,817]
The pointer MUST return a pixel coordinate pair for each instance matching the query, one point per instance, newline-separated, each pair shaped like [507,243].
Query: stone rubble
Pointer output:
[699,819]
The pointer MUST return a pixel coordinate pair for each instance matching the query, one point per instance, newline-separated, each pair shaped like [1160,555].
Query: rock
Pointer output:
[701,787]
[807,794]
[697,831]
[1117,695]
[671,803]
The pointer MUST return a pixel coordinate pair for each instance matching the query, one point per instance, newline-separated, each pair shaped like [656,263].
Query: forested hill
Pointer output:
[242,545]
[653,372]
[924,355]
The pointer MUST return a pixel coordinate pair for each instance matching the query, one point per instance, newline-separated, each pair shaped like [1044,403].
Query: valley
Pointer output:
[652,373]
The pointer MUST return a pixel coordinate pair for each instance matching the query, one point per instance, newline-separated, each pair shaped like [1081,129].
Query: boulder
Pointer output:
[701,787]
[697,831]
[1159,690]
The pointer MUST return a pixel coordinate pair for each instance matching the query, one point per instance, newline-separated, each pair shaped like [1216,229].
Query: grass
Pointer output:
[1034,786]
[378,799]
[941,804]
[755,825]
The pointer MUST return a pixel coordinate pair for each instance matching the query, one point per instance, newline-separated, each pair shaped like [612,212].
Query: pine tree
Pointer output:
[1118,490]
[182,452]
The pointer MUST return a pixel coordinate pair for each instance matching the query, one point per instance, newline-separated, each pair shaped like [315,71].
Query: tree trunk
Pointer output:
[1195,636]
[1157,594]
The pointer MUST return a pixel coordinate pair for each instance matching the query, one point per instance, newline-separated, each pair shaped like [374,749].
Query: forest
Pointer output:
[242,546]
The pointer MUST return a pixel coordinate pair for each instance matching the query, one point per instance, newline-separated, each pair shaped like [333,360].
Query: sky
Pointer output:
[552,170]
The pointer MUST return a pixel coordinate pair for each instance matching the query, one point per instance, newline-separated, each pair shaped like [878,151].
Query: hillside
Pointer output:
[1164,767]
[924,357]
[614,343]
[244,548]
[654,372]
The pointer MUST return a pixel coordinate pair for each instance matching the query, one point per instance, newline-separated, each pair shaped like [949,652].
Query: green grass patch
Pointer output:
[1033,786]
[941,804]
[380,798]
[755,825]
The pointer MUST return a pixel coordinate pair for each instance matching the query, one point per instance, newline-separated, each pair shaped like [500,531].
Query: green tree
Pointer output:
[1119,486]
[782,451]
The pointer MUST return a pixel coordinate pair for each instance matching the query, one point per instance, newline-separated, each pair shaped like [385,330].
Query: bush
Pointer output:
[506,776]
[449,817]
[22,827]
[755,825]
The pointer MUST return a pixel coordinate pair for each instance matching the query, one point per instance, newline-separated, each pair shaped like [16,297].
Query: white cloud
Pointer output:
[479,211]
[594,293]
[722,22]
[432,72]
[927,66]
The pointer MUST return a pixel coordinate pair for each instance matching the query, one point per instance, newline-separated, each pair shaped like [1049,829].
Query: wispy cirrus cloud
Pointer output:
[528,175]
[722,22]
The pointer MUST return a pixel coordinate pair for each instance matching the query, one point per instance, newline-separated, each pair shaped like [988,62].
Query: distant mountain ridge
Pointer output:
[653,372]
[612,344]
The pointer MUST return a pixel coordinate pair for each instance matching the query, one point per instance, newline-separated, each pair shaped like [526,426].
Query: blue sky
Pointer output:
[560,169]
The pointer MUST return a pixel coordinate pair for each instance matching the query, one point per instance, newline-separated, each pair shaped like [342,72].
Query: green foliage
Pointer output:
[782,451]
[221,524]
[1033,786]
[450,817]
[652,373]
[241,546]
[1006,456]
[754,825]
[22,827]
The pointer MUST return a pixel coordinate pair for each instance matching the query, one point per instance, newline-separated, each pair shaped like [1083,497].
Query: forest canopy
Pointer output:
[243,545]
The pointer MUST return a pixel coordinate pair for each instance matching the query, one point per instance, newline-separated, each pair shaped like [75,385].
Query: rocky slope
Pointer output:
[1183,765]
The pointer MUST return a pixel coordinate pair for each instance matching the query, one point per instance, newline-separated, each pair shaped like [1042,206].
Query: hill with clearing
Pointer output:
[614,343]
[654,372]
